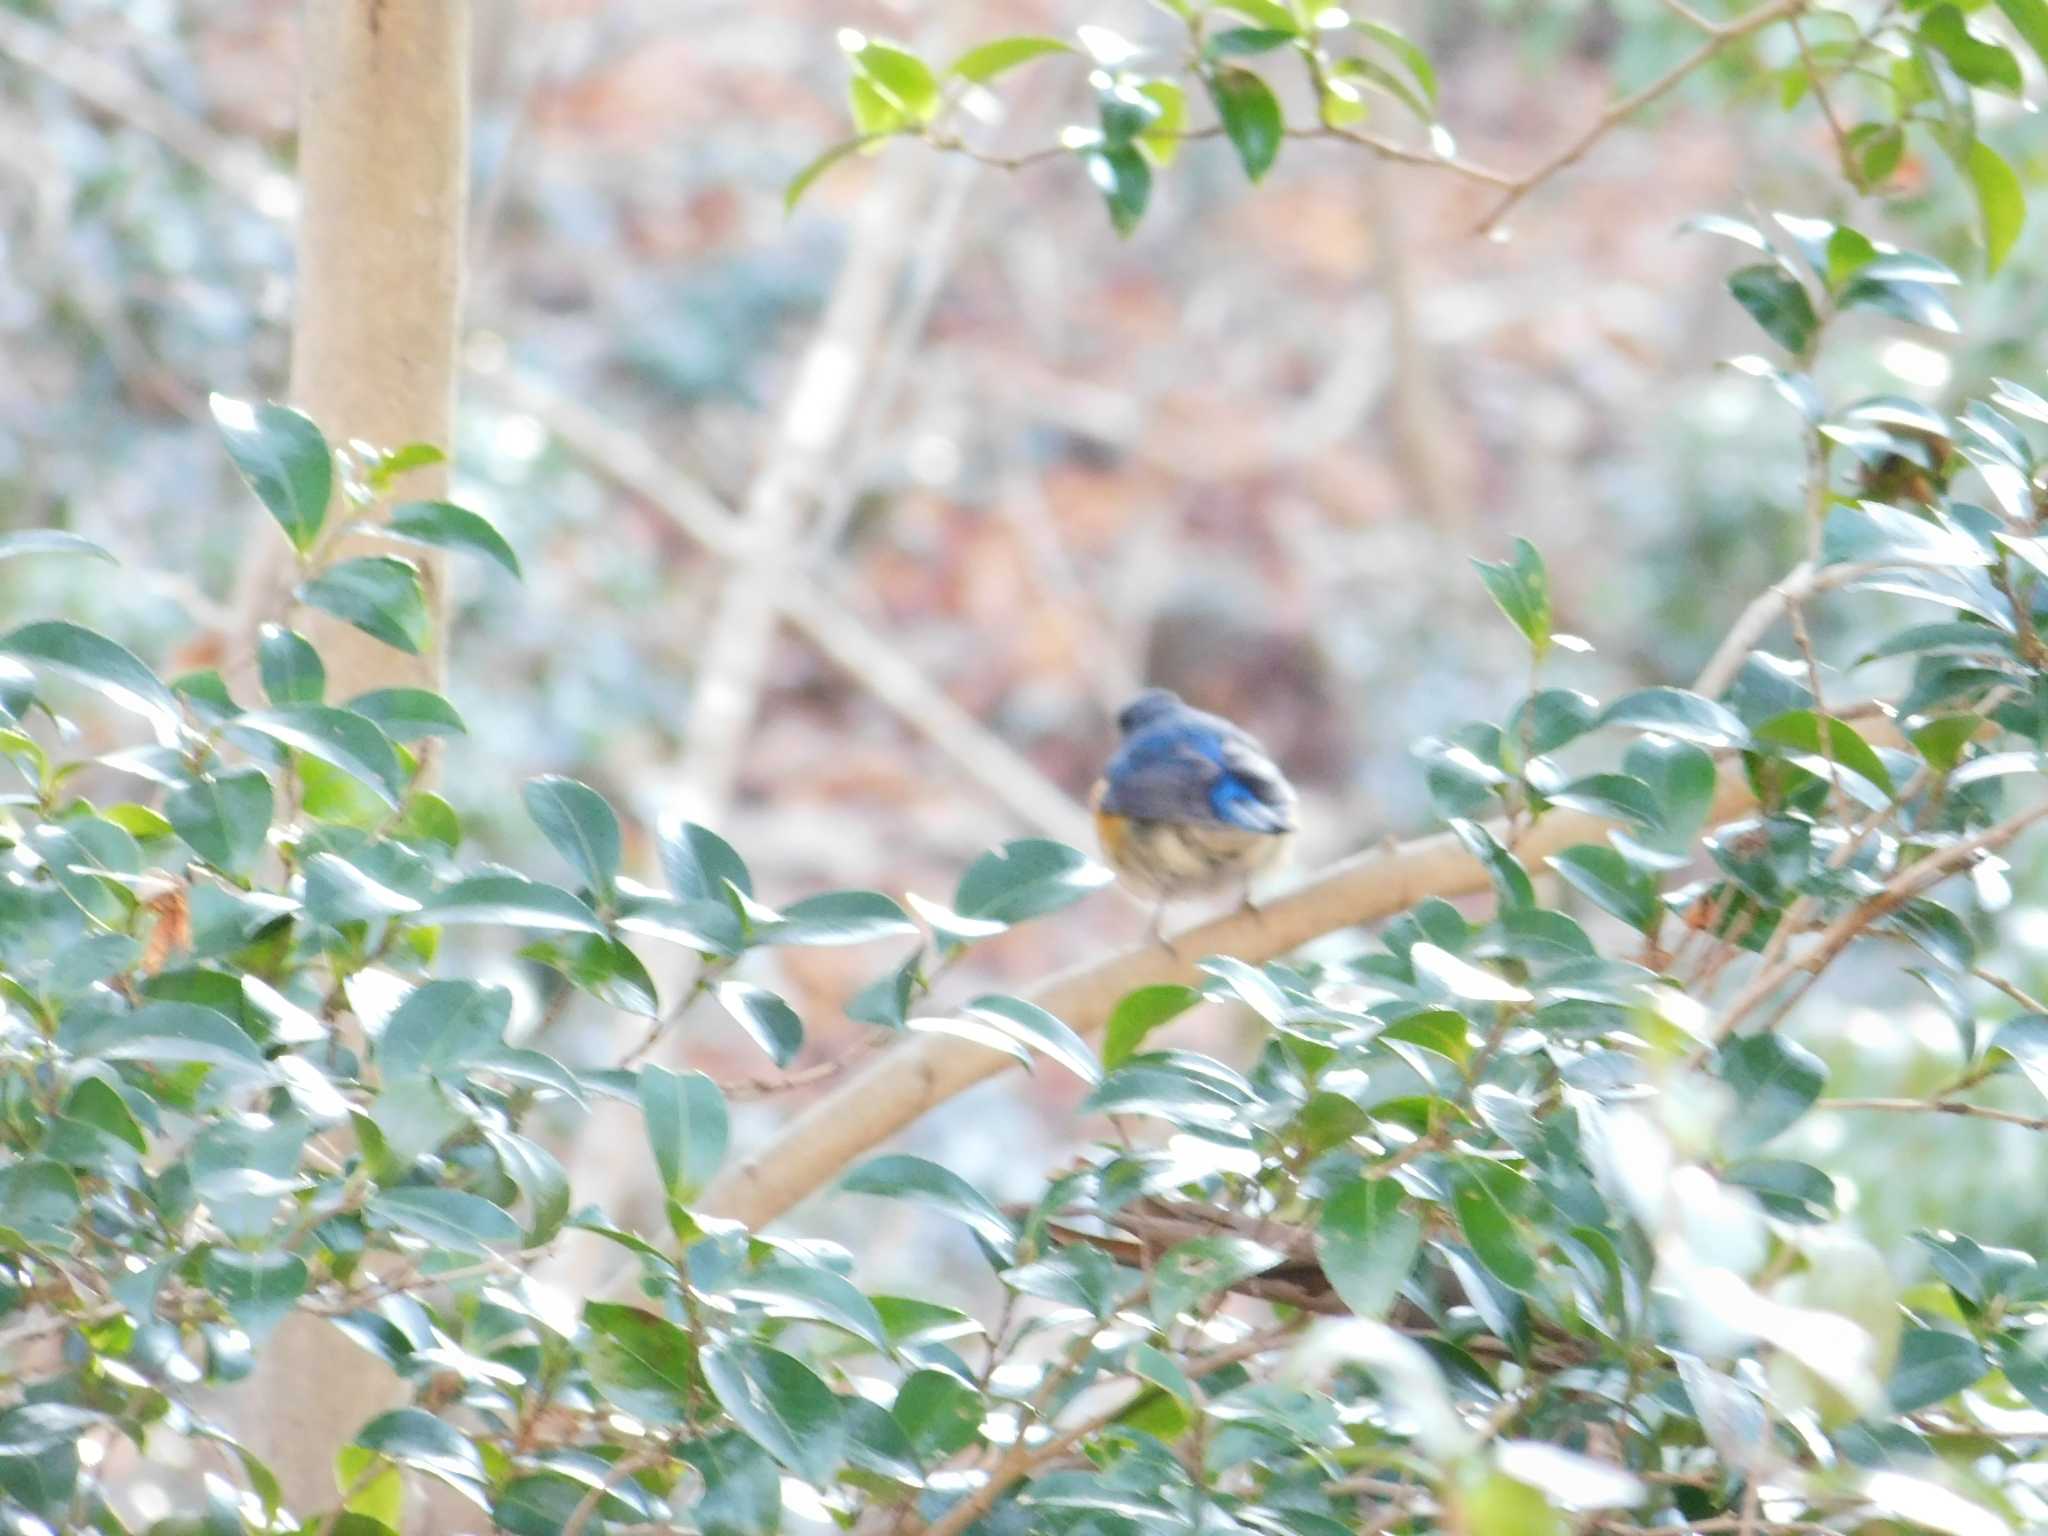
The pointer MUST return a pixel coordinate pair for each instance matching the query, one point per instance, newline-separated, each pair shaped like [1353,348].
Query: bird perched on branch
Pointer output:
[1189,804]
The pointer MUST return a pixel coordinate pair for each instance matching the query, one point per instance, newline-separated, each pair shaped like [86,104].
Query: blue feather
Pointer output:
[1237,803]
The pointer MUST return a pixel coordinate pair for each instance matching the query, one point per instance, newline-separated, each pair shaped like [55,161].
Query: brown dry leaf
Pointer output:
[172,931]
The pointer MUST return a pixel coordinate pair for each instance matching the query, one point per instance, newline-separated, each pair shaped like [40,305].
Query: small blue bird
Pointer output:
[1189,803]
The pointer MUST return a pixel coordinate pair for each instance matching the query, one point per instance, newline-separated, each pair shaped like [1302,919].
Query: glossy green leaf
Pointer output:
[575,818]
[1773,1082]
[168,1032]
[337,738]
[698,864]
[1031,1026]
[839,917]
[443,1026]
[381,595]
[814,1294]
[774,1025]
[642,1363]
[1482,1195]
[408,714]
[1140,1012]
[1779,303]
[443,525]
[1025,879]
[2001,199]
[1520,588]
[1933,1365]
[1251,115]
[1611,883]
[900,1176]
[291,669]
[780,1402]
[1191,1272]
[50,541]
[97,662]
[447,1218]
[224,817]
[1368,1242]
[1124,178]
[687,1128]
[285,460]
[509,901]
[414,1438]
[999,57]
[1678,713]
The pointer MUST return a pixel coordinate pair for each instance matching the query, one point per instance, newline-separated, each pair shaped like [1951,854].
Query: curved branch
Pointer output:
[922,1073]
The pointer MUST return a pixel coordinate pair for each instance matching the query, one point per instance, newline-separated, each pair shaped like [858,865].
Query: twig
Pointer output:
[617,1473]
[1940,1107]
[1827,106]
[1719,38]
[2024,999]
[1802,581]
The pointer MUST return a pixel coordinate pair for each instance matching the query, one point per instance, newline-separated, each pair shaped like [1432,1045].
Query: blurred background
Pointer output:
[972,466]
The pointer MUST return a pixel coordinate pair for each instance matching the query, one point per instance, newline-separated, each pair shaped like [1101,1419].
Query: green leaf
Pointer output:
[2029,18]
[814,1294]
[408,714]
[641,1363]
[1368,1242]
[2001,200]
[40,1200]
[1773,1081]
[605,968]
[414,1438]
[900,1176]
[1510,881]
[1802,729]
[511,902]
[576,819]
[443,525]
[2025,1041]
[1190,1272]
[291,669]
[1138,1013]
[1482,1194]
[49,541]
[1678,713]
[167,1032]
[542,1180]
[337,738]
[1933,1366]
[687,1128]
[338,892]
[1251,117]
[379,594]
[1414,58]
[97,662]
[224,817]
[1987,65]
[1032,1026]
[1123,176]
[838,917]
[447,1218]
[986,62]
[776,1027]
[1025,879]
[903,80]
[805,179]
[258,1289]
[1611,883]
[1245,42]
[939,1413]
[285,460]
[1520,587]
[1872,533]
[442,1026]
[699,864]
[1779,303]
[1790,1191]
[1161,141]
[779,1402]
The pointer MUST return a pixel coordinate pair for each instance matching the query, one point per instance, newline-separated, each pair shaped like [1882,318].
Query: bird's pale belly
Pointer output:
[1170,859]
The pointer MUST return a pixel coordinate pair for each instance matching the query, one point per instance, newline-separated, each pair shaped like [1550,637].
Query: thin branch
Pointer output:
[1802,581]
[1827,105]
[1719,39]
[2025,999]
[1940,1107]
[917,1075]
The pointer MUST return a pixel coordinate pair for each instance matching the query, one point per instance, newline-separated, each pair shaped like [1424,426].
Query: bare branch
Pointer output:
[1719,39]
[1940,1107]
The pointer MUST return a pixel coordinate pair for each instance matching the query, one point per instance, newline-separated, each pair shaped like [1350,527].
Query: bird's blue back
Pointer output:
[1180,764]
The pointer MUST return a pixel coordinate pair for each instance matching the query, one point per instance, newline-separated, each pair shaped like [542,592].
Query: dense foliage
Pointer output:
[1491,1234]
[1496,1230]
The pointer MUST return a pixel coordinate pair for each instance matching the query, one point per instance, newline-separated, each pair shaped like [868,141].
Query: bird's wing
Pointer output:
[1200,770]
[1251,791]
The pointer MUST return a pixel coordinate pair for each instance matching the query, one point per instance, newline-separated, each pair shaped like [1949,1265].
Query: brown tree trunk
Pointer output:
[383,162]
[383,157]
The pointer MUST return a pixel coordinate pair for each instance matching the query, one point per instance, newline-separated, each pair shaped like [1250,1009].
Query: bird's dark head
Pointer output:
[1151,705]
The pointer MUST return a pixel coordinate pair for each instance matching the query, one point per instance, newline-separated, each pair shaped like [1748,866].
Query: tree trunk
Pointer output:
[383,158]
[383,173]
